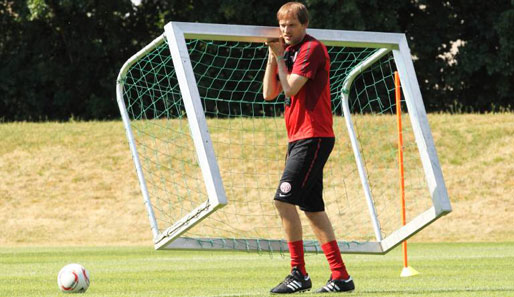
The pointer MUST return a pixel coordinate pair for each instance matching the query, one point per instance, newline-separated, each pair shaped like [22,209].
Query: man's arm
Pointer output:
[290,84]
[270,85]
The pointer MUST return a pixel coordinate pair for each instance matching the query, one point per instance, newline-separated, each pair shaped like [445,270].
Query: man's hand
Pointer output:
[276,47]
[289,83]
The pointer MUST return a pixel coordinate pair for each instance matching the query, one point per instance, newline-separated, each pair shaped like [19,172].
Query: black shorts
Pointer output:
[302,181]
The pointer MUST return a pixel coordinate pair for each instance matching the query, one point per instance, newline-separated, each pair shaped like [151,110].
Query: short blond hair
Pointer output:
[296,9]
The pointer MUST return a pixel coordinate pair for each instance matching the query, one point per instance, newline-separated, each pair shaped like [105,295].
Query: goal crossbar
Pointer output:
[263,34]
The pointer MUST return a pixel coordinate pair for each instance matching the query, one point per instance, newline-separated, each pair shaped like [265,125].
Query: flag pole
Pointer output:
[407,270]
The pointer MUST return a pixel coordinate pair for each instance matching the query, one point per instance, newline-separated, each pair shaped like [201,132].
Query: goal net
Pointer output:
[209,150]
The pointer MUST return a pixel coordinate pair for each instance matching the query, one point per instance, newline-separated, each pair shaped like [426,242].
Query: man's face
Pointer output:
[292,30]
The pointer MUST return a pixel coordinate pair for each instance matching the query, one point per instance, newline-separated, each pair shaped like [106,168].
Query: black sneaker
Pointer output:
[337,285]
[295,282]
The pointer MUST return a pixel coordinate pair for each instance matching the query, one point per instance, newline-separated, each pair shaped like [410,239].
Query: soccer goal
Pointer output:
[209,150]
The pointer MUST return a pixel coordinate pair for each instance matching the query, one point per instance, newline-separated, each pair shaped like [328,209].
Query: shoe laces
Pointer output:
[289,279]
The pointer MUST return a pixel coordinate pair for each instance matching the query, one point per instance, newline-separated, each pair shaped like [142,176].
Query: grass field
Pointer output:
[446,269]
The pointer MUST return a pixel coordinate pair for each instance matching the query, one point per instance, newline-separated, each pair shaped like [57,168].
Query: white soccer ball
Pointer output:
[73,278]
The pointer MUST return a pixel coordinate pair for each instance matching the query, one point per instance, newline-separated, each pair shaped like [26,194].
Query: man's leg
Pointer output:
[321,226]
[293,230]
[298,280]
[324,232]
[301,158]
[290,220]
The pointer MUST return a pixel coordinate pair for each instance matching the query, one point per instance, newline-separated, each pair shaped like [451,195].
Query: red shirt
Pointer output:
[309,113]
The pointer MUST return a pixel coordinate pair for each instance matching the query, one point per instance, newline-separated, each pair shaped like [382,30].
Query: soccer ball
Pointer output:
[73,278]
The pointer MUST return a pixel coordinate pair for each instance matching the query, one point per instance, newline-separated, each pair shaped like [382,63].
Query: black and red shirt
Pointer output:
[308,114]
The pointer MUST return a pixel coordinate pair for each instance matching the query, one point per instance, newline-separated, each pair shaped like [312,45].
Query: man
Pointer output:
[299,65]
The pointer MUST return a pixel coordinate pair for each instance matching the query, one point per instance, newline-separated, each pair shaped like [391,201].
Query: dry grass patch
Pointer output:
[68,183]
[75,184]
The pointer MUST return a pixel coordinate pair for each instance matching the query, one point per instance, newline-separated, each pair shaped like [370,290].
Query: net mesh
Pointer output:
[250,142]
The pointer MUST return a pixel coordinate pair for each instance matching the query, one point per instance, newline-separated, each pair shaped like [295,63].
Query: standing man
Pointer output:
[299,65]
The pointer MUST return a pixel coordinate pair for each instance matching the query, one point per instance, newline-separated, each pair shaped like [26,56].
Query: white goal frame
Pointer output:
[176,34]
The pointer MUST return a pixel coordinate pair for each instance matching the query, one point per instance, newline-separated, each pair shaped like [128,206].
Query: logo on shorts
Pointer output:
[285,187]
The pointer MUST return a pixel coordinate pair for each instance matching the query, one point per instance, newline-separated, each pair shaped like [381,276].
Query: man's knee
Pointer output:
[318,218]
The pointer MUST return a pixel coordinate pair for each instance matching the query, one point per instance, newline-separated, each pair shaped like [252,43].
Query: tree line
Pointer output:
[60,58]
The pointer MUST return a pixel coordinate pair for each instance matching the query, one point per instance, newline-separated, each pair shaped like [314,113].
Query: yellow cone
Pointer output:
[408,271]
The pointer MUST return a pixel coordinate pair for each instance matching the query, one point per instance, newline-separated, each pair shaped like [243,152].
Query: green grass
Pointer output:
[446,269]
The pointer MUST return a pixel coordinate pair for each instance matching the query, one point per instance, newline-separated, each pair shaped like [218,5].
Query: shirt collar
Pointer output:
[299,44]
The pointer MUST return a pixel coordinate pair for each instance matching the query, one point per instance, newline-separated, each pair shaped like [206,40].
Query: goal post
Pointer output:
[209,150]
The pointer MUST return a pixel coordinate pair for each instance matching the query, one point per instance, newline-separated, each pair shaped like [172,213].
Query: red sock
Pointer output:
[333,254]
[296,251]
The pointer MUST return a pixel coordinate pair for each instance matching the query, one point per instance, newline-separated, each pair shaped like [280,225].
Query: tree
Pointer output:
[60,58]
[481,79]
[61,55]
